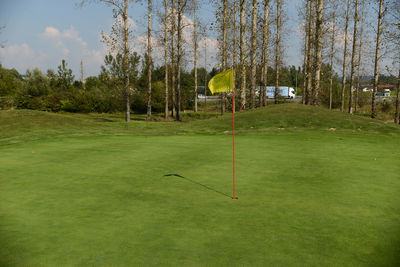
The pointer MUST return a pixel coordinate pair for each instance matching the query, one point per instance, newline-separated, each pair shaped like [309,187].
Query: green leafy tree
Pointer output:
[64,77]
[10,84]
[36,83]
[10,81]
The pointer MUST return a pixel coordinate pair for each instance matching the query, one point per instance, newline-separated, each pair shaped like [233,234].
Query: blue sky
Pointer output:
[40,33]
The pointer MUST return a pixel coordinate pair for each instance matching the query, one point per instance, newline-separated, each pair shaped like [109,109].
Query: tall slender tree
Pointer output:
[344,73]
[181,7]
[396,115]
[149,62]
[118,41]
[173,59]
[205,68]
[318,51]
[166,58]
[126,61]
[195,53]
[277,48]
[306,26]
[332,53]
[376,65]
[243,54]
[353,57]
[310,47]
[264,72]
[253,52]
[234,48]
[359,57]
[224,41]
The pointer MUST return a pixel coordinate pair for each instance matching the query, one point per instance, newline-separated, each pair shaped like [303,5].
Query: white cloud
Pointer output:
[53,45]
[21,57]
[69,45]
[51,32]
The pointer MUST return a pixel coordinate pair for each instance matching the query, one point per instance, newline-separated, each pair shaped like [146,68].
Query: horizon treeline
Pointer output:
[61,91]
[338,43]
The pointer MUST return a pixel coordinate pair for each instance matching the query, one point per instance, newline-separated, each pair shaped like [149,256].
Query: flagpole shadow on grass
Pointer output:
[197,183]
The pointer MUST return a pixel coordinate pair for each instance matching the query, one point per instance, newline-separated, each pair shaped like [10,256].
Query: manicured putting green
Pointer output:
[308,198]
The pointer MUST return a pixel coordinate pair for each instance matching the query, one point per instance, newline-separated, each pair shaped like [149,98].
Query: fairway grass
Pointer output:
[85,192]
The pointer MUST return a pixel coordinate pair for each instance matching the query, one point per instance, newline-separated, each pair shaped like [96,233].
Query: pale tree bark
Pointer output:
[224,56]
[277,48]
[149,62]
[181,6]
[332,55]
[205,70]
[243,54]
[318,51]
[253,53]
[119,41]
[345,57]
[195,54]
[166,58]
[353,57]
[396,116]
[303,98]
[310,48]
[126,62]
[376,65]
[173,59]
[234,49]
[359,64]
[264,72]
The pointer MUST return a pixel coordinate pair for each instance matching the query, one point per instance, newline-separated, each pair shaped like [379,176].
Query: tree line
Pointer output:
[60,90]
[251,38]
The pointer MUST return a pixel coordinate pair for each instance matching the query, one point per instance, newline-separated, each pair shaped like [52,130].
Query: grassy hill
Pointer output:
[315,187]
[20,125]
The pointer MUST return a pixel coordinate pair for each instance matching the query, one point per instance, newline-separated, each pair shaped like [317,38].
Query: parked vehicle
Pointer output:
[284,91]
[386,92]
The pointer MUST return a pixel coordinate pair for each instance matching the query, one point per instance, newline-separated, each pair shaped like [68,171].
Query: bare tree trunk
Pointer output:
[166,58]
[303,97]
[149,61]
[309,52]
[195,54]
[332,55]
[353,57]
[318,52]
[243,53]
[376,66]
[345,56]
[277,49]
[358,66]
[253,53]
[181,6]
[205,72]
[126,62]
[396,115]
[234,49]
[173,62]
[265,52]
[224,27]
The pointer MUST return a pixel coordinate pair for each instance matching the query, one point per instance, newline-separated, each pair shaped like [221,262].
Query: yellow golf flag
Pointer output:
[222,82]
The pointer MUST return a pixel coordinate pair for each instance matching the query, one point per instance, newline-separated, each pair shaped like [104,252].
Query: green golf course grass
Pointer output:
[315,188]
